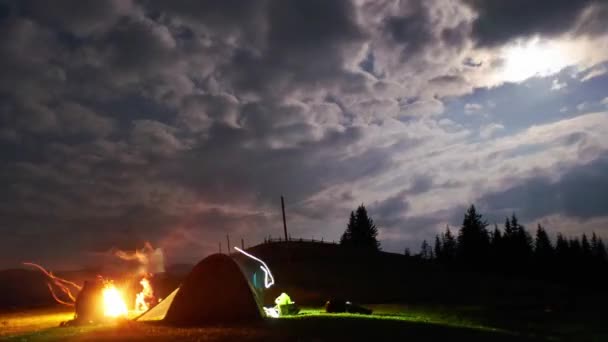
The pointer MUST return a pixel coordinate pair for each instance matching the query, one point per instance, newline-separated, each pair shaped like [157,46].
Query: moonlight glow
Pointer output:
[533,58]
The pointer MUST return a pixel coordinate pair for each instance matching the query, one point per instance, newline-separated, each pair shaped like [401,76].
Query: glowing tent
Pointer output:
[215,291]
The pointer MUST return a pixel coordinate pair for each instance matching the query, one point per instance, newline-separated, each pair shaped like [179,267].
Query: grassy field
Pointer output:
[389,322]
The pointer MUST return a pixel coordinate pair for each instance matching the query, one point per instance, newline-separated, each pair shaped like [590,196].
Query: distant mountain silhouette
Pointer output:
[312,272]
[23,288]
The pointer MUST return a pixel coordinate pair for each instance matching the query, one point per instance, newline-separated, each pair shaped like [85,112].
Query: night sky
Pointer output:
[177,122]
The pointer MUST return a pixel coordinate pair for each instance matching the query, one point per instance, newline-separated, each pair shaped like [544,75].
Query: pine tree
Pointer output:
[598,250]
[508,228]
[594,242]
[361,232]
[543,249]
[575,249]
[438,248]
[520,246]
[497,249]
[561,258]
[496,237]
[507,246]
[449,245]
[601,251]
[347,236]
[425,251]
[561,247]
[585,247]
[523,240]
[473,240]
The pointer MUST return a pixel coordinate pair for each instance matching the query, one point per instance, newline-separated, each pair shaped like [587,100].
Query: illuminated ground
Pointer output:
[387,323]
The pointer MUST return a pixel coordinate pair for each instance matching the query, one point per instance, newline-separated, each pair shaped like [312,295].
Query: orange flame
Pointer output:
[113,302]
[146,295]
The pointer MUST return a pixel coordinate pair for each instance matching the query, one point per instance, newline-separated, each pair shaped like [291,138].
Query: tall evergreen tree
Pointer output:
[473,240]
[585,247]
[496,237]
[522,237]
[519,246]
[507,248]
[574,248]
[598,250]
[561,247]
[543,252]
[601,252]
[594,242]
[497,249]
[449,245]
[508,229]
[438,248]
[346,238]
[361,232]
[543,248]
[426,252]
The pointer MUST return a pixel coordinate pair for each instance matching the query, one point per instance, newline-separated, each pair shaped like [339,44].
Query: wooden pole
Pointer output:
[284,221]
[228,243]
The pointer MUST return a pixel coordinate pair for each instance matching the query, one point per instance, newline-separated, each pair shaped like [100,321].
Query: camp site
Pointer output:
[304,170]
[295,289]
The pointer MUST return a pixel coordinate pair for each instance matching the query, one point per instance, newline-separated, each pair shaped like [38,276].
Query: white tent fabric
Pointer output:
[159,311]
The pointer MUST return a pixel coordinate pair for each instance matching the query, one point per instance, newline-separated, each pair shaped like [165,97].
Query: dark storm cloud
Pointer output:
[421,184]
[580,192]
[412,29]
[297,171]
[179,121]
[78,17]
[390,211]
[306,43]
[227,16]
[500,21]
[394,212]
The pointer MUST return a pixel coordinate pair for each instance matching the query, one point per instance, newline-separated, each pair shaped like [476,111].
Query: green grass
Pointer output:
[33,320]
[389,322]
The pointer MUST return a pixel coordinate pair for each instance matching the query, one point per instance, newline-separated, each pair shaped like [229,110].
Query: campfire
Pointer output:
[113,303]
[103,299]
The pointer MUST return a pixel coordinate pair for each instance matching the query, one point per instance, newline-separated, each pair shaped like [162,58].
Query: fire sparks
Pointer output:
[113,302]
[62,284]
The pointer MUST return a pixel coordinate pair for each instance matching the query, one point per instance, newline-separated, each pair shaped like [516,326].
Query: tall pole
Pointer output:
[228,243]
[242,244]
[284,221]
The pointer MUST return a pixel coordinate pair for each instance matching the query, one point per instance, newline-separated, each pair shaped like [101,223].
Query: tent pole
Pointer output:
[284,221]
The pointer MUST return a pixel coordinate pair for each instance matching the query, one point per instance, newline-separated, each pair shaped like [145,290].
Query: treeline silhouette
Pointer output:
[514,251]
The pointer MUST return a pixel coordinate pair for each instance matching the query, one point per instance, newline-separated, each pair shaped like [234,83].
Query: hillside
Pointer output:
[312,272]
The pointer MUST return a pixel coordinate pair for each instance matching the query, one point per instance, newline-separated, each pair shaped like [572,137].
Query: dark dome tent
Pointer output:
[215,291]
